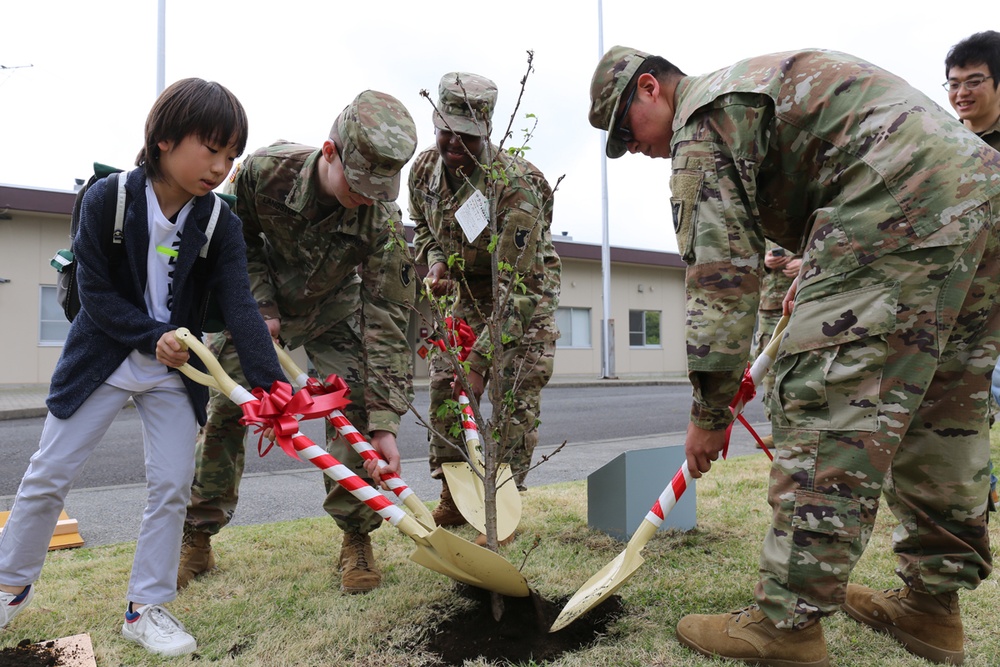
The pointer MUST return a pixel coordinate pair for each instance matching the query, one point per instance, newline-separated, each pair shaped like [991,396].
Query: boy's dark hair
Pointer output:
[205,109]
[983,47]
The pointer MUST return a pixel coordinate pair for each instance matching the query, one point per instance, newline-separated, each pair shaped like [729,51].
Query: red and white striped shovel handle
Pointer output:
[682,478]
[344,426]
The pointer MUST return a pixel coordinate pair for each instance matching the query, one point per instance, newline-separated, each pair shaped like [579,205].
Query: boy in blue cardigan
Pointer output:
[121,345]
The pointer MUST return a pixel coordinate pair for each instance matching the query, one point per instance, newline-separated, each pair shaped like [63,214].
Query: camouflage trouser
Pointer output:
[530,367]
[766,321]
[881,389]
[220,451]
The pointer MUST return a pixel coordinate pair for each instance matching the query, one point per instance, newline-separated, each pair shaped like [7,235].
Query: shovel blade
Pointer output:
[599,587]
[469,563]
[469,494]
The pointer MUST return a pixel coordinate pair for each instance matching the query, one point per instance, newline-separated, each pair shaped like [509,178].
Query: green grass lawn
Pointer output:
[275,599]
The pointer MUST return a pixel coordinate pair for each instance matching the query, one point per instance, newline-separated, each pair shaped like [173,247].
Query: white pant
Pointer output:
[169,429]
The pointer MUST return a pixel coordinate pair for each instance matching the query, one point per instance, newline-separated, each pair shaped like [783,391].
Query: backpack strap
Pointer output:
[119,231]
[113,220]
[210,227]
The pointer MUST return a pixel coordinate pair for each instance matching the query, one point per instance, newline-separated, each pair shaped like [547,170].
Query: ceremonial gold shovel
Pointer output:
[437,549]
[361,446]
[611,577]
[467,487]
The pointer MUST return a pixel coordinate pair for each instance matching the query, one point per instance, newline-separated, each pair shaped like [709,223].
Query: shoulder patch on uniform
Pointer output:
[677,208]
[521,237]
[405,273]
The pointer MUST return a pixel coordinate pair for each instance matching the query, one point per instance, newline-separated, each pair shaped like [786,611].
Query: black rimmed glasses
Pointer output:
[954,85]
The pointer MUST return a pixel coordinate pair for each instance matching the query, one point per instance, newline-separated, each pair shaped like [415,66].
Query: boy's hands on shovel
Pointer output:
[384,443]
[702,447]
[170,352]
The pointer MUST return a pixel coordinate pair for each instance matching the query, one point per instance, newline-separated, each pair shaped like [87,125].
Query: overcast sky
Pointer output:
[295,64]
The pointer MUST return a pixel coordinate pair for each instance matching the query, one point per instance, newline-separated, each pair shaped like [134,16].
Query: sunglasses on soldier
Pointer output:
[621,132]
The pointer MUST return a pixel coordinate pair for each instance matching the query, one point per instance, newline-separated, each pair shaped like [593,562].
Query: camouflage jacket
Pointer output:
[309,262]
[820,152]
[524,218]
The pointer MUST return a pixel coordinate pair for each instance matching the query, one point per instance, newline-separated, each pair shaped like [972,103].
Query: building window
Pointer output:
[644,328]
[53,326]
[574,327]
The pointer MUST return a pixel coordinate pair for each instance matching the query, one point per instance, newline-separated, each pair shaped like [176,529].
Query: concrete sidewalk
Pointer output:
[21,401]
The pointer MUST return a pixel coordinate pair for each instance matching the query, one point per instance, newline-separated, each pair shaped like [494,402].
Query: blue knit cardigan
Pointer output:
[113,320]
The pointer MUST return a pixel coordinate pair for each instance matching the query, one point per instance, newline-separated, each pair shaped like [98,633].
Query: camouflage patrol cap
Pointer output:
[611,78]
[459,95]
[375,136]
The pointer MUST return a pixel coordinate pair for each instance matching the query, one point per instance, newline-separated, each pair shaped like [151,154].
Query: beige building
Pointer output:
[647,299]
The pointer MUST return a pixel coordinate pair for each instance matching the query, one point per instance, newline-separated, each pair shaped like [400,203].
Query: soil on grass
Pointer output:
[522,634]
[28,654]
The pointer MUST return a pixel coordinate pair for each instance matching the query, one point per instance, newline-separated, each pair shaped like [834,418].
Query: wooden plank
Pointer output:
[65,536]
[74,651]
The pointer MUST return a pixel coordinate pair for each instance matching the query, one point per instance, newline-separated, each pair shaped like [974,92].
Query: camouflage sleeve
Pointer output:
[521,220]
[244,187]
[715,216]
[426,248]
[387,294]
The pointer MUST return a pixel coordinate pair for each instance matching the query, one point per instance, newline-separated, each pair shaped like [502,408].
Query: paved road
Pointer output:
[599,424]
[573,414]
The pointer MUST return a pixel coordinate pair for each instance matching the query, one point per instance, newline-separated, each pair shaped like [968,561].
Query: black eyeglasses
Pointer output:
[970,84]
[622,133]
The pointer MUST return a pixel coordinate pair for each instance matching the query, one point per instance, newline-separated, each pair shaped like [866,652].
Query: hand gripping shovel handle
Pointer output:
[436,549]
[357,441]
[300,442]
[614,574]
[682,478]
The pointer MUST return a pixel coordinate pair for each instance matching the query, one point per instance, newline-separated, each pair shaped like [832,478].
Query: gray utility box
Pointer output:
[621,493]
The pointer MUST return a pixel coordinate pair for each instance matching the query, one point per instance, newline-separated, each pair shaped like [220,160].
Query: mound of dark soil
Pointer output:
[27,654]
[521,635]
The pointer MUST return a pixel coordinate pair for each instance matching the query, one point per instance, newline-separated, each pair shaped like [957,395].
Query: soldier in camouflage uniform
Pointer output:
[780,268]
[317,224]
[883,374]
[442,179]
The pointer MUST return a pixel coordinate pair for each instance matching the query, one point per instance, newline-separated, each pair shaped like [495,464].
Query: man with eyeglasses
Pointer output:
[883,373]
[973,70]
[328,276]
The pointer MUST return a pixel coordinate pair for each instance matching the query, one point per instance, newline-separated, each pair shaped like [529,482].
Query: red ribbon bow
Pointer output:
[281,410]
[743,396]
[458,334]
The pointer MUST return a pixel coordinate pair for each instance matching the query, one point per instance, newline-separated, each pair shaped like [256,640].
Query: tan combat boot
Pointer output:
[481,539]
[767,440]
[196,557]
[358,572]
[749,635]
[446,513]
[926,625]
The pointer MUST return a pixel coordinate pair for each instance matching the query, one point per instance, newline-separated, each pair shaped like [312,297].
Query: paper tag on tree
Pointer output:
[473,215]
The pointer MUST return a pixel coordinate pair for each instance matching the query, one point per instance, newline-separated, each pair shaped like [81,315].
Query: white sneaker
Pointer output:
[158,631]
[11,605]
